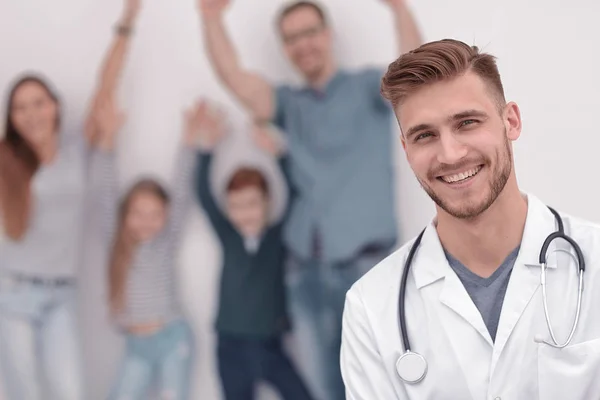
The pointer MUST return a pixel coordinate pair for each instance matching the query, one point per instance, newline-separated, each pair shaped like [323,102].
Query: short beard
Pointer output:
[497,184]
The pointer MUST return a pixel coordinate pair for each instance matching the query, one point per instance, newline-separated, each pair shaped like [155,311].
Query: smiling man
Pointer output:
[458,312]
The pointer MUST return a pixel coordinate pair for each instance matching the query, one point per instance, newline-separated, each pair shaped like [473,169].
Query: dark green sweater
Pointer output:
[252,294]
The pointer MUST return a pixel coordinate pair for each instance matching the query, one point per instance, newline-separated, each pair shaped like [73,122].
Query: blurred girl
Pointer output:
[144,230]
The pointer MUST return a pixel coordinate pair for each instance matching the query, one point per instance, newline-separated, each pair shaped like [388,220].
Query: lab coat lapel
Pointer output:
[525,277]
[453,294]
[470,343]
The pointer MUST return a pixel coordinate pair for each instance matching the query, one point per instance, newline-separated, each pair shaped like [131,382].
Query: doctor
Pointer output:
[474,313]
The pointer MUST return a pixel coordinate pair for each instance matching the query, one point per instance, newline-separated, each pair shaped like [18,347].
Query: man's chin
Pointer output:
[311,72]
[464,208]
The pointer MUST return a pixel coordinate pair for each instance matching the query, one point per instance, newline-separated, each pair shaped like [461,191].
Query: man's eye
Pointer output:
[468,122]
[422,136]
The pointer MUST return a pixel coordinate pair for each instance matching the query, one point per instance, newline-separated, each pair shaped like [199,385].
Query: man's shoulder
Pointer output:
[583,230]
[344,73]
[364,77]
[586,235]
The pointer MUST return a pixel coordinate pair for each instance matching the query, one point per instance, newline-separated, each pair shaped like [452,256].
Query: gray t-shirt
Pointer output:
[52,244]
[486,293]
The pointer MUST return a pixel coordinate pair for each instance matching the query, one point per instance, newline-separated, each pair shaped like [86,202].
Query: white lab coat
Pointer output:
[446,328]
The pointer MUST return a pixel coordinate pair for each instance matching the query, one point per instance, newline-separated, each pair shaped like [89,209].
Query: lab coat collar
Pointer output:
[539,224]
[525,278]
[430,263]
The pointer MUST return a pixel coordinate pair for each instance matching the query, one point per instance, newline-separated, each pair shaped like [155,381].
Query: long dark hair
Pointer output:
[124,244]
[18,165]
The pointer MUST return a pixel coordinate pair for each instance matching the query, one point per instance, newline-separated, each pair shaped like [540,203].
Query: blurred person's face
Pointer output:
[307,41]
[146,215]
[247,209]
[458,143]
[34,113]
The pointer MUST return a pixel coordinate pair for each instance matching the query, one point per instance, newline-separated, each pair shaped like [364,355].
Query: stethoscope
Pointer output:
[412,367]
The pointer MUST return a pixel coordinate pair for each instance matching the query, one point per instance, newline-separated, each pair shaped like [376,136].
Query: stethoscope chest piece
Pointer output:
[411,367]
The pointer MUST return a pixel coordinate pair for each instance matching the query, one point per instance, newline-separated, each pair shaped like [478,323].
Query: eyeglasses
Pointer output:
[308,33]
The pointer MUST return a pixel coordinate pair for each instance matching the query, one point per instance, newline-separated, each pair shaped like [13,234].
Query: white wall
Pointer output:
[547,55]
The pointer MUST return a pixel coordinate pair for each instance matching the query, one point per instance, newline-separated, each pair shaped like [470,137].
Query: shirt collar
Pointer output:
[331,84]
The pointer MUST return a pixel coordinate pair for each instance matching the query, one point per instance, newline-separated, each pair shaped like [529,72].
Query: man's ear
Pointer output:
[512,120]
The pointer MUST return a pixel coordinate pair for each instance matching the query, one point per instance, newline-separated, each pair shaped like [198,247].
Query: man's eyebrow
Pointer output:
[458,116]
[467,114]
[417,128]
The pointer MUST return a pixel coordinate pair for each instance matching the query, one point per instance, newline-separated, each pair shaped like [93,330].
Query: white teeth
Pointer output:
[461,176]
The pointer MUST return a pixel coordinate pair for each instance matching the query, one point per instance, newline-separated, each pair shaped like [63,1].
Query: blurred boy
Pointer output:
[252,316]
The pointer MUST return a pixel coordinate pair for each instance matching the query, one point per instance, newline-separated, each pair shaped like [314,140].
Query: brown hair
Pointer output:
[248,177]
[438,61]
[290,8]
[124,244]
[18,165]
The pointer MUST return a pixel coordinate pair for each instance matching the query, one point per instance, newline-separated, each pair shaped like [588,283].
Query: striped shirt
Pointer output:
[150,289]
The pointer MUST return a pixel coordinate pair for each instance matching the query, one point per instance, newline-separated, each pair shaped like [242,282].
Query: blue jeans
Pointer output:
[244,362]
[163,358]
[317,293]
[39,345]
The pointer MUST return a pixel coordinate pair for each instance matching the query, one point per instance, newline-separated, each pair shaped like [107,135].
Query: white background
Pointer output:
[548,58]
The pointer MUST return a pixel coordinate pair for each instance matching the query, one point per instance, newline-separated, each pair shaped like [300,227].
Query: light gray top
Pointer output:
[52,244]
[486,293]
[150,290]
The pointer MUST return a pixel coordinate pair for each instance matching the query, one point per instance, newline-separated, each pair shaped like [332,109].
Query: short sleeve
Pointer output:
[372,81]
[282,97]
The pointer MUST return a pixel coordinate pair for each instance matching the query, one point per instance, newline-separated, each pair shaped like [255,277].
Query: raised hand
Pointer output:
[108,119]
[130,11]
[267,141]
[212,8]
[395,3]
[204,125]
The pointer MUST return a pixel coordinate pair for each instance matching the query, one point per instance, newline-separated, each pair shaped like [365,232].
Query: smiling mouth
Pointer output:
[461,176]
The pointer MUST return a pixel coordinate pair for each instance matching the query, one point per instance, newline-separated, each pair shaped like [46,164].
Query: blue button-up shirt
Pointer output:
[340,143]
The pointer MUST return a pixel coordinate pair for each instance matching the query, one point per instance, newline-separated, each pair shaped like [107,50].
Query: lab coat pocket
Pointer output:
[569,373]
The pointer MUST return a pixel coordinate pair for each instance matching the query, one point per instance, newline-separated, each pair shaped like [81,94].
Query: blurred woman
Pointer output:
[42,193]
[144,230]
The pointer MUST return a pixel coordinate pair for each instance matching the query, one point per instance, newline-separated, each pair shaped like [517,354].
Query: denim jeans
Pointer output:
[39,345]
[317,293]
[162,359]
[244,362]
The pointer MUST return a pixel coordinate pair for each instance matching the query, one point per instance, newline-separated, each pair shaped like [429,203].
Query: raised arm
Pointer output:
[250,89]
[268,142]
[407,30]
[113,63]
[210,128]
[103,174]
[182,182]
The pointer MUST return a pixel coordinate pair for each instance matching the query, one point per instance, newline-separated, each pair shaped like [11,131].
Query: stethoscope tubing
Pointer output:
[559,234]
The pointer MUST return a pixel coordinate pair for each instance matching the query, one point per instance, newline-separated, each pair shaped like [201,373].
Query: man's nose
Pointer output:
[452,149]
